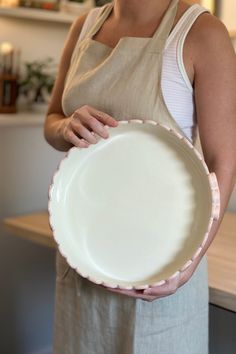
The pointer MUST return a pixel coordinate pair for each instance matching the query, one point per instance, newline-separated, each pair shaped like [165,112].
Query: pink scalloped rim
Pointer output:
[215,212]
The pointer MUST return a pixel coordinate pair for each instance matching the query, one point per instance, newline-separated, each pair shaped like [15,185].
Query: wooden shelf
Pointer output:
[49,16]
[37,14]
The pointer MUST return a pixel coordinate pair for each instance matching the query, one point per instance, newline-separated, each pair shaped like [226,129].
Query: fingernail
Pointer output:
[103,132]
[113,122]
[146,292]
[105,136]
[84,142]
[94,140]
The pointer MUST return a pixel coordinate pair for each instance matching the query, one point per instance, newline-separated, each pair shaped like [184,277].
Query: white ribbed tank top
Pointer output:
[181,105]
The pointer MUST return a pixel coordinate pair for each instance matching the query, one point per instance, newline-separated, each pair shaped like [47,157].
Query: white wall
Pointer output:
[37,39]
[27,162]
[232,202]
[27,271]
[228,13]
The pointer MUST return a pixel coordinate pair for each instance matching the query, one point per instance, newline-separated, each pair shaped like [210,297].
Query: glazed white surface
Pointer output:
[132,209]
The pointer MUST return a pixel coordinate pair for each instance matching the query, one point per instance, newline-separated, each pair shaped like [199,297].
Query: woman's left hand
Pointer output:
[168,287]
[215,73]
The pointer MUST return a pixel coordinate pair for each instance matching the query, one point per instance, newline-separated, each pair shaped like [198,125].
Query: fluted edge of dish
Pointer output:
[215,211]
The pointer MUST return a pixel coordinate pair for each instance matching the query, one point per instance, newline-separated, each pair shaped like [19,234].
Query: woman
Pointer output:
[116,63]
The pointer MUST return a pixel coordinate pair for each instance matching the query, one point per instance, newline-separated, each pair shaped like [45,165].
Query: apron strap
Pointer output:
[99,20]
[160,36]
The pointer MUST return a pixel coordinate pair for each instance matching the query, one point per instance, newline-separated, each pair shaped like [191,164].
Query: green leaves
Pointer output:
[37,79]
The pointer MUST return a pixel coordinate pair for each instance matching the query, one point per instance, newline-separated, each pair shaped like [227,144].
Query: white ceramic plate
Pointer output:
[133,209]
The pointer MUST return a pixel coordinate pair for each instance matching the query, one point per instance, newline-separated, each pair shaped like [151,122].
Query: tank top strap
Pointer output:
[159,38]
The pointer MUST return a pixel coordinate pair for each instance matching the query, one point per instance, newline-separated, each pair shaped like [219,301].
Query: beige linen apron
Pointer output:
[125,82]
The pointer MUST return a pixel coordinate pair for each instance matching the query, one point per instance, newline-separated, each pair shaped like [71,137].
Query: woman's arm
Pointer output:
[55,116]
[77,130]
[214,63]
[215,98]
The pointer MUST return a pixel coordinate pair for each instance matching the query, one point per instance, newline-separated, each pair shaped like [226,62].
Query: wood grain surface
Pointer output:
[221,254]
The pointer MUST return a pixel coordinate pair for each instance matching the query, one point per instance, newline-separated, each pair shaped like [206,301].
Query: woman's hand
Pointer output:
[79,128]
[171,286]
[164,289]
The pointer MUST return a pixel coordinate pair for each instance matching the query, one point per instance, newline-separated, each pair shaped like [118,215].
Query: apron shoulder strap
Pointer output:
[160,36]
[104,13]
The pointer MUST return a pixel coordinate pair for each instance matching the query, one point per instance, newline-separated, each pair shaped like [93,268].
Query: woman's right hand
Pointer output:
[79,128]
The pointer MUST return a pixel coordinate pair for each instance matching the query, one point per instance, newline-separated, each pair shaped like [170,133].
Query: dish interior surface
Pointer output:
[131,209]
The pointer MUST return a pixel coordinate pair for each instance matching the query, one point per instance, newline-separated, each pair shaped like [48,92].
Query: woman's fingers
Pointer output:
[93,120]
[138,294]
[168,288]
[83,132]
[73,139]
[84,123]
[103,117]
[132,293]
[96,127]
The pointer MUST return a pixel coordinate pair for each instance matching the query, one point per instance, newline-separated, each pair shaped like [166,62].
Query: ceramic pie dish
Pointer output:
[135,209]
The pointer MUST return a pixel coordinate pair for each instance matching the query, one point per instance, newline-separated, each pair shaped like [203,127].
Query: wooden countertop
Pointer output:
[221,254]
[222,264]
[33,227]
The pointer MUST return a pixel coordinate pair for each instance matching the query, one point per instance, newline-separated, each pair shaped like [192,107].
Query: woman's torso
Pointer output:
[125,82]
[176,85]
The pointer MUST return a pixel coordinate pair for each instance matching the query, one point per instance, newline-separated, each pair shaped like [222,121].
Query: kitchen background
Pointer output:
[37,31]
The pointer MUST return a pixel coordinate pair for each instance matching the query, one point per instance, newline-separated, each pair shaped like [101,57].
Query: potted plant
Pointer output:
[37,81]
